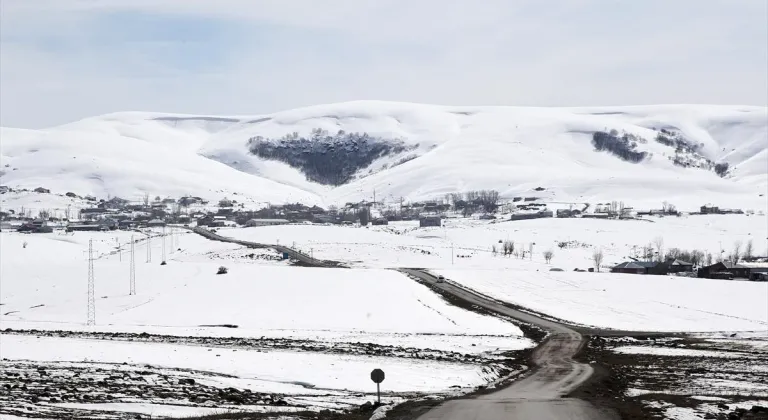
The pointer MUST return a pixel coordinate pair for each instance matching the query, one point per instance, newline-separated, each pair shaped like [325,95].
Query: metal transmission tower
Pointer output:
[132,288]
[91,293]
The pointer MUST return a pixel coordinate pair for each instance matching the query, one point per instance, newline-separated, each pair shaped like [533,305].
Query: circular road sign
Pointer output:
[377,375]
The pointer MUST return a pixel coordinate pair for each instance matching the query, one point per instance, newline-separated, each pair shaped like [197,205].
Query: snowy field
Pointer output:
[310,335]
[276,371]
[648,303]
[404,244]
[627,301]
[262,297]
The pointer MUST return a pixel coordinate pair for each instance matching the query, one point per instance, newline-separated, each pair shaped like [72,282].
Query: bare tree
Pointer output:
[146,199]
[494,251]
[748,250]
[697,257]
[597,257]
[708,259]
[659,243]
[548,254]
[648,252]
[736,255]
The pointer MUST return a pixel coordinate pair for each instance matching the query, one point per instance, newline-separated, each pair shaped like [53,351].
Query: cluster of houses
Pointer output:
[709,209]
[725,270]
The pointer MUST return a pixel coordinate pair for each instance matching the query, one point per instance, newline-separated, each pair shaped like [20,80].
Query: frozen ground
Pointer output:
[404,244]
[687,378]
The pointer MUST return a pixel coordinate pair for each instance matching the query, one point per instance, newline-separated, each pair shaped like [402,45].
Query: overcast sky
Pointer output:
[62,60]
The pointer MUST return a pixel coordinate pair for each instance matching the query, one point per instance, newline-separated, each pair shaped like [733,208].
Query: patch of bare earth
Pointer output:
[679,378]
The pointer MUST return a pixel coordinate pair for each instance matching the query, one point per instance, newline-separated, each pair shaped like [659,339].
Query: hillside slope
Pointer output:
[342,152]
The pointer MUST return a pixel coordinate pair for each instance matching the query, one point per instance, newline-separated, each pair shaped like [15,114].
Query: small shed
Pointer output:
[427,221]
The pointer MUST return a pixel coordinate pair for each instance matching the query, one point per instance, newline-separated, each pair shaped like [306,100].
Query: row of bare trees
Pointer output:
[471,201]
[737,254]
[698,257]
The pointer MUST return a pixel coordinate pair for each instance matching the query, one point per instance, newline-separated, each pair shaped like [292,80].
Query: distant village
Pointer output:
[118,213]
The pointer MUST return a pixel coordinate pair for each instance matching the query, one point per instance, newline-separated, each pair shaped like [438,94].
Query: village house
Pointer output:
[726,270]
[678,266]
[217,221]
[266,222]
[641,267]
[430,221]
[758,271]
[36,226]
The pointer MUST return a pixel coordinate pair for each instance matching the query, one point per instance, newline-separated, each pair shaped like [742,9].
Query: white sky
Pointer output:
[62,60]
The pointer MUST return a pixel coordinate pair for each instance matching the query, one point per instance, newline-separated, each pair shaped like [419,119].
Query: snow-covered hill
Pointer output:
[343,152]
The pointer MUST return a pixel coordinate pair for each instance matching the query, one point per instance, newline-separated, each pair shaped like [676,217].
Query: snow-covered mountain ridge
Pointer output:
[343,152]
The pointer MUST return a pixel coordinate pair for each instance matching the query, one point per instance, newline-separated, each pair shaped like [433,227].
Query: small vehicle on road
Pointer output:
[440,279]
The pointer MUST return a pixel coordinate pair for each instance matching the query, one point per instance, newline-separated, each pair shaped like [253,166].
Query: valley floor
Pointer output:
[272,337]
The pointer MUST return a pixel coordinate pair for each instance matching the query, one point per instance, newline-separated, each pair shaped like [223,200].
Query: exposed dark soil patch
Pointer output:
[503,360]
[670,381]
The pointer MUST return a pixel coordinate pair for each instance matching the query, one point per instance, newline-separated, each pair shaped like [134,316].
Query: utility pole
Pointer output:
[149,247]
[451,253]
[119,251]
[132,281]
[163,245]
[91,292]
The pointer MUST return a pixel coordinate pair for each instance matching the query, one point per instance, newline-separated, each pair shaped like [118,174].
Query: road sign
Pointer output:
[377,375]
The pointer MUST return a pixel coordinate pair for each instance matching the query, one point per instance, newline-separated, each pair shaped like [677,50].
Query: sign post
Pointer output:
[377,375]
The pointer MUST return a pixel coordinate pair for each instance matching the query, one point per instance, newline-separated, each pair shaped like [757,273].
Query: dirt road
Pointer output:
[538,395]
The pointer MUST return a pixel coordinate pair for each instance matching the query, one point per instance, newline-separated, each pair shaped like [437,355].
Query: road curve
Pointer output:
[536,396]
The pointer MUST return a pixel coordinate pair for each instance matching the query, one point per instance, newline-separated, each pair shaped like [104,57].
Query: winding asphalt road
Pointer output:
[537,396]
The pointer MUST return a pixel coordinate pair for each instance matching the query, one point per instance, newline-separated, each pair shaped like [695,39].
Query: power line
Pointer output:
[132,287]
[91,293]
